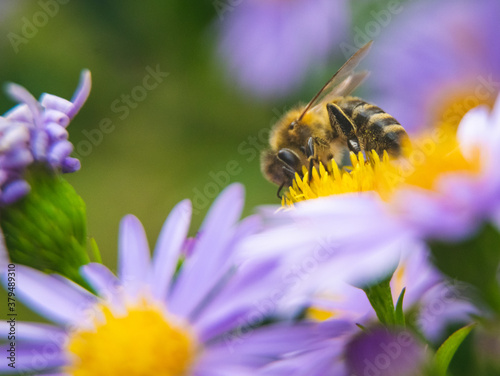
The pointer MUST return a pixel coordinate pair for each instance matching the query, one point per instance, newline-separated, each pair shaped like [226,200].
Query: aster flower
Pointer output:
[204,319]
[34,133]
[269,46]
[436,61]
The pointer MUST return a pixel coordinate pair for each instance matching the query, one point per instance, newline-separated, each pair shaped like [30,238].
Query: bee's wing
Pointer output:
[342,77]
[343,89]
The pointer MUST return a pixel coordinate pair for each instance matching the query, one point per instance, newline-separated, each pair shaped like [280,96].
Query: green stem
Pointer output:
[380,298]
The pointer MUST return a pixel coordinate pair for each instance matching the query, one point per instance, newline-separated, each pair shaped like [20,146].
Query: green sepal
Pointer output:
[474,260]
[399,313]
[363,328]
[96,253]
[46,229]
[447,350]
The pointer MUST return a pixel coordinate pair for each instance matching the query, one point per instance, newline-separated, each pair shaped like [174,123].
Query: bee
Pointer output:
[330,126]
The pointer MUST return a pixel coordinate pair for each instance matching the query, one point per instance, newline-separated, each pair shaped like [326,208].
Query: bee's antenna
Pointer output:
[310,152]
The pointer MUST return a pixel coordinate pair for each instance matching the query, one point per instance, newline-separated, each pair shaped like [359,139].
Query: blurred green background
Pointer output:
[191,124]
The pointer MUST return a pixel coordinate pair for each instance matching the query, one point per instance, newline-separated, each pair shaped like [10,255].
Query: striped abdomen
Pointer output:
[376,129]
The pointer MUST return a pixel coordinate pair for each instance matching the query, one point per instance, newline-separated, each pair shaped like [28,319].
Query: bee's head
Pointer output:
[289,131]
[280,167]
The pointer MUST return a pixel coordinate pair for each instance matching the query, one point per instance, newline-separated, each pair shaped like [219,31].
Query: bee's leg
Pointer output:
[311,155]
[290,174]
[339,119]
[279,190]
[291,165]
[310,150]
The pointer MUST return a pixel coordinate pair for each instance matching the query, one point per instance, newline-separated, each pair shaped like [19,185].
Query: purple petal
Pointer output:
[58,152]
[256,347]
[39,145]
[245,298]
[70,165]
[386,353]
[54,105]
[21,114]
[14,191]
[210,253]
[18,158]
[168,248]
[53,116]
[36,332]
[56,131]
[324,360]
[21,95]
[12,136]
[64,303]
[34,358]
[105,283]
[473,130]
[133,258]
[81,93]
[443,305]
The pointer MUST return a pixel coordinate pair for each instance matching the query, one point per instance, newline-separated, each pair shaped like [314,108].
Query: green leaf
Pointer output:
[447,350]
[400,317]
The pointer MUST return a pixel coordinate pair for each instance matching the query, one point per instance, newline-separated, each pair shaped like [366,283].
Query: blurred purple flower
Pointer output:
[436,61]
[269,46]
[205,321]
[385,353]
[34,132]
[340,306]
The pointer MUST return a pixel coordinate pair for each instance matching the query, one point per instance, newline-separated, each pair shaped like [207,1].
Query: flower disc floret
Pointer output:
[144,341]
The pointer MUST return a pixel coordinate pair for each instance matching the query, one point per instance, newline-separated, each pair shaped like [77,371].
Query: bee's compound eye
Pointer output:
[288,157]
[292,125]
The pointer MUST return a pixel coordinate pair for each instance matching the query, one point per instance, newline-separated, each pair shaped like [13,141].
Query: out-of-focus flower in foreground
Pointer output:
[203,319]
[436,61]
[270,46]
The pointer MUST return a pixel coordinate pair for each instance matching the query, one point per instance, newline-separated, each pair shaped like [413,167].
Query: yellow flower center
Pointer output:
[431,155]
[141,342]
[452,104]
[320,314]
[399,280]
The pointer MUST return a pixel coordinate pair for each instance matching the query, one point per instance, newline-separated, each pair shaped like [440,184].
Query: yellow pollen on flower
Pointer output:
[319,314]
[399,279]
[142,342]
[451,105]
[374,175]
[430,156]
